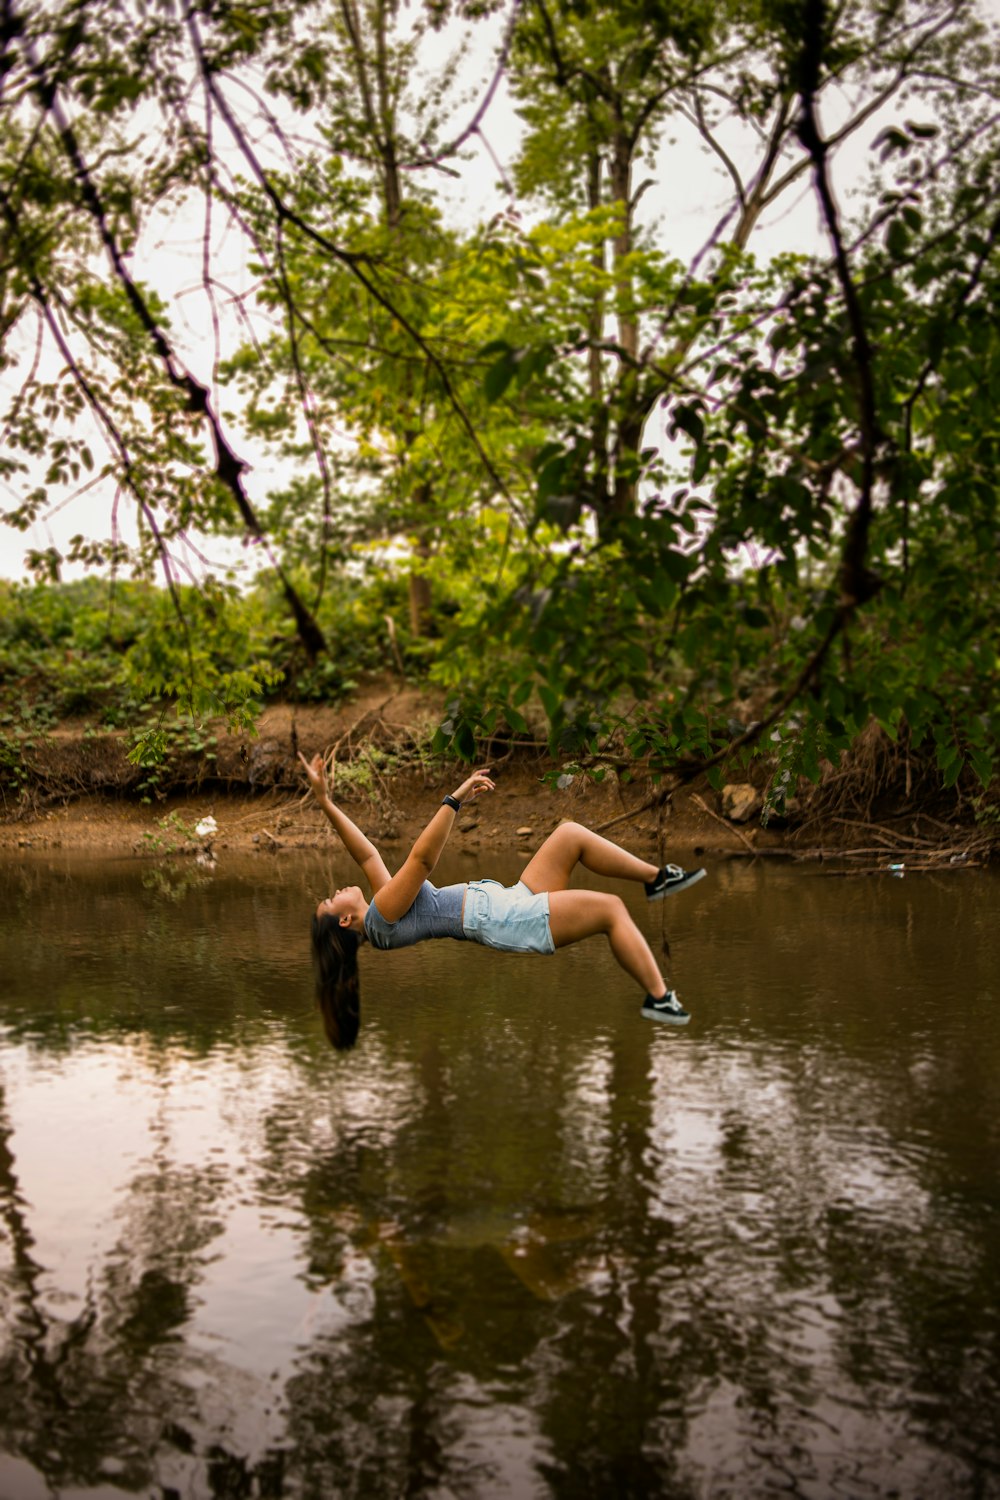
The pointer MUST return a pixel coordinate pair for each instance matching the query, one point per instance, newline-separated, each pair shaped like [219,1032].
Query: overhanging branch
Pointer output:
[229,467]
[353,263]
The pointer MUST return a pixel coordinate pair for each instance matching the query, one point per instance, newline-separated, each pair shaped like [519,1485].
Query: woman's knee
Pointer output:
[551,867]
[567,835]
[612,911]
[578,914]
[618,912]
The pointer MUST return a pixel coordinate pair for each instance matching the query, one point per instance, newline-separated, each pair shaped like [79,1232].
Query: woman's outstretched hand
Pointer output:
[315,770]
[478,782]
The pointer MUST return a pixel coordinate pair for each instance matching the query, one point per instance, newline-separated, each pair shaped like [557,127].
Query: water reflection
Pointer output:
[520,1243]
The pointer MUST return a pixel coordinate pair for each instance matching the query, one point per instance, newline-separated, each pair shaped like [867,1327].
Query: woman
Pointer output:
[537,915]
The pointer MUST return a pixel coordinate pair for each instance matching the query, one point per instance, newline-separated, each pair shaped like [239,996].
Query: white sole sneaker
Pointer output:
[679,882]
[668,1008]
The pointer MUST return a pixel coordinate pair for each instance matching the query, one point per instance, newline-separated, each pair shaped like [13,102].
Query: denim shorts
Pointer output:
[511,918]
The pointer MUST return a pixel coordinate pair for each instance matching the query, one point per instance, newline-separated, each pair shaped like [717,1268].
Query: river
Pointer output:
[519,1243]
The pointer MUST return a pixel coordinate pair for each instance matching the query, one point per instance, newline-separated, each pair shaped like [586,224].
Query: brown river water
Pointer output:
[520,1243]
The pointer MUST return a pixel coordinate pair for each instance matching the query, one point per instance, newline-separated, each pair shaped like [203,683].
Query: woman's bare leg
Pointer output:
[572,844]
[574,915]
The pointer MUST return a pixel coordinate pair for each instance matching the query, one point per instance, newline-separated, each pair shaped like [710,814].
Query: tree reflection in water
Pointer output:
[518,1243]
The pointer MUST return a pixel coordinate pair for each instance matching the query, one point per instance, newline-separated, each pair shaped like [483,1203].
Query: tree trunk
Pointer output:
[623,483]
[375,86]
[595,357]
[420,584]
[420,597]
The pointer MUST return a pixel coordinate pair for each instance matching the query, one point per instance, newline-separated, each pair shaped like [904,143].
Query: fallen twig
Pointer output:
[719,819]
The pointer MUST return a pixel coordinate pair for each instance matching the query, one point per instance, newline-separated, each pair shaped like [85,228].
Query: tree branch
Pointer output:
[110,427]
[857,584]
[229,468]
[353,262]
[473,127]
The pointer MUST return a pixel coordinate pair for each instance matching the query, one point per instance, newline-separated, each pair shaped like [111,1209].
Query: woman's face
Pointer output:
[343,903]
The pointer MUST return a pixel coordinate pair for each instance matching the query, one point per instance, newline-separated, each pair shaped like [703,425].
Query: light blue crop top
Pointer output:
[436,912]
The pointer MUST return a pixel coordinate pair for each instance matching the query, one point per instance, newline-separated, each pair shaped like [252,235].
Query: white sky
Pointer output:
[691,191]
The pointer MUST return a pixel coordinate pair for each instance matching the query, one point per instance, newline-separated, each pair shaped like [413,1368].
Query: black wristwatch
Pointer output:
[451,802]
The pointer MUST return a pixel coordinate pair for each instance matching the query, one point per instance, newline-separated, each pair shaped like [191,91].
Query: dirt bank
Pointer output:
[81,793]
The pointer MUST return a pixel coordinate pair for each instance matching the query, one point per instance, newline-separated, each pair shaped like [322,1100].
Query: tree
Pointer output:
[514,368]
[362,358]
[599,86]
[319,61]
[792,408]
[68,193]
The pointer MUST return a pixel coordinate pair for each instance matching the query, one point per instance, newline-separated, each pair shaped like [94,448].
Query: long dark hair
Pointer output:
[335,952]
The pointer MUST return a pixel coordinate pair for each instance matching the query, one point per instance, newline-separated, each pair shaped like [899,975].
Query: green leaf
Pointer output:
[465,742]
[551,702]
[890,140]
[897,239]
[676,565]
[499,376]
[953,772]
[688,419]
[550,479]
[982,764]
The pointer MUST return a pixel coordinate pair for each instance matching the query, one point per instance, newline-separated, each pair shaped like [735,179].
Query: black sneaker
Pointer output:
[667,1008]
[671,878]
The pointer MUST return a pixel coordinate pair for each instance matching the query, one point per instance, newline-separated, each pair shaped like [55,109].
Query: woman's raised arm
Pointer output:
[358,845]
[395,899]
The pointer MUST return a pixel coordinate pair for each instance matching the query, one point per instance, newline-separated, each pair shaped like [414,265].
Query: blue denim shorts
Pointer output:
[511,918]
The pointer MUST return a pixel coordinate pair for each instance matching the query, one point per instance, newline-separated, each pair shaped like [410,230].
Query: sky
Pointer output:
[690,191]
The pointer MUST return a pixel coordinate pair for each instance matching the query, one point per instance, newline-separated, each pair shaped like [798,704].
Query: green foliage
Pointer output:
[14,773]
[172,834]
[159,747]
[24,725]
[468,418]
[113,651]
[62,646]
